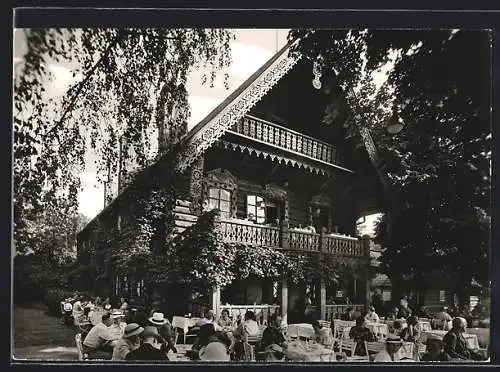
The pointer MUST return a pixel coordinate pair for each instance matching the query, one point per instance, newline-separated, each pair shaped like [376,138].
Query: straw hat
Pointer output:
[132,329]
[214,351]
[158,319]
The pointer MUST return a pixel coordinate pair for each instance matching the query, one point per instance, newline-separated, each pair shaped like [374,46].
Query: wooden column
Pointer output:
[215,300]
[322,299]
[284,297]
[365,241]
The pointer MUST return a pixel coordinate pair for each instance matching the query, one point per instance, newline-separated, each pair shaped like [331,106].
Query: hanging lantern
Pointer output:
[317,74]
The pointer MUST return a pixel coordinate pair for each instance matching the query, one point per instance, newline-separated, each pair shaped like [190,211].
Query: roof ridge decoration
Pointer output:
[235,110]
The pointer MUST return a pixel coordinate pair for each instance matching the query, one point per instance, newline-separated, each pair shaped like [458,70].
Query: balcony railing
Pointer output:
[287,139]
[245,232]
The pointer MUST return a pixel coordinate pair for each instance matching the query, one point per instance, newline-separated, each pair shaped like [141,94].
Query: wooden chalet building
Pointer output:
[265,159]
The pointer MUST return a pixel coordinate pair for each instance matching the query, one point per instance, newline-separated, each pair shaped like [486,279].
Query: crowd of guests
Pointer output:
[451,347]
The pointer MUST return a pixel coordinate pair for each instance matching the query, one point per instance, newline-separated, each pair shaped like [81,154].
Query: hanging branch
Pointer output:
[82,83]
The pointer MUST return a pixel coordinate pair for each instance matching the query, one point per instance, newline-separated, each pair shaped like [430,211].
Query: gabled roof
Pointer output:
[209,130]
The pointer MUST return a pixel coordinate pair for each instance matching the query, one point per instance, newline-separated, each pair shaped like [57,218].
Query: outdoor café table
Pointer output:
[471,339]
[406,351]
[184,323]
[308,352]
[304,330]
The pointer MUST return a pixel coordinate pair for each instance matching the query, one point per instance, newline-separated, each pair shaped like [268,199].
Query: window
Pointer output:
[220,199]
[442,296]
[256,209]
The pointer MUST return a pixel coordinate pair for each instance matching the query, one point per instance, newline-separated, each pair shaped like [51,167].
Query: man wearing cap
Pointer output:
[147,350]
[129,341]
[165,330]
[118,326]
[435,351]
[99,342]
[455,344]
[392,346]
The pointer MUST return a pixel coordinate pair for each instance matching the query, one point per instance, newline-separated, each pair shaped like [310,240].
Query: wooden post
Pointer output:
[323,299]
[365,241]
[284,237]
[284,297]
[216,300]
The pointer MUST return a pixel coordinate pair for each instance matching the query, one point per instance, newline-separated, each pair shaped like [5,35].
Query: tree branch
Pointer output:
[89,74]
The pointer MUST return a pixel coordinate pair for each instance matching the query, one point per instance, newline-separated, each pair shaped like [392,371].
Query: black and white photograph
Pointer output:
[251,195]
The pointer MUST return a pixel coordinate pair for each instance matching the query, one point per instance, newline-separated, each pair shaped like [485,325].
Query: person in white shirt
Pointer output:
[209,318]
[371,316]
[77,308]
[118,326]
[99,342]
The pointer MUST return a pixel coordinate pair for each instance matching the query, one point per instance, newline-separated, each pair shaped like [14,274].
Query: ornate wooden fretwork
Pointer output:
[235,110]
[196,185]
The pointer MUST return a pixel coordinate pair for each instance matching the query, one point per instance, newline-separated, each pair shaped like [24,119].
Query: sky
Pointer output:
[250,50]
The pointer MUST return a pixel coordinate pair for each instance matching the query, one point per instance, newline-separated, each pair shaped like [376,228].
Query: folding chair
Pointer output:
[325,323]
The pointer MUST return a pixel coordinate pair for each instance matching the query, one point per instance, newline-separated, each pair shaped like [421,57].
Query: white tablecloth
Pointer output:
[312,352]
[380,330]
[300,330]
[184,323]
[471,339]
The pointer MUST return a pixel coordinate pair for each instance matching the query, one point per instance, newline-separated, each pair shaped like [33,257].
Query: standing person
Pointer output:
[411,333]
[99,342]
[129,341]
[165,332]
[78,308]
[147,350]
[455,344]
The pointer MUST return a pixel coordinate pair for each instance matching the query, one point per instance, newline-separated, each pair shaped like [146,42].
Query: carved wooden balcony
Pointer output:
[246,232]
[286,139]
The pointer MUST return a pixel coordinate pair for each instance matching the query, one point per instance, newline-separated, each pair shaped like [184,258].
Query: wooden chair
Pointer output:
[325,323]
[180,322]
[374,347]
[347,346]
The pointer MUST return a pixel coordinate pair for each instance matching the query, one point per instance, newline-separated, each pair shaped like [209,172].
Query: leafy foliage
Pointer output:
[130,84]
[438,167]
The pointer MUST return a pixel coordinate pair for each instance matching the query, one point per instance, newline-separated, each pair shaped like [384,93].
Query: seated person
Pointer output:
[129,341]
[349,315]
[249,327]
[359,334]
[272,334]
[164,327]
[389,354]
[435,350]
[411,333]
[455,344]
[147,350]
[424,313]
[442,318]
[404,312]
[371,316]
[209,318]
[225,322]
[118,326]
[99,343]
[322,335]
[205,332]
[397,327]
[393,314]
